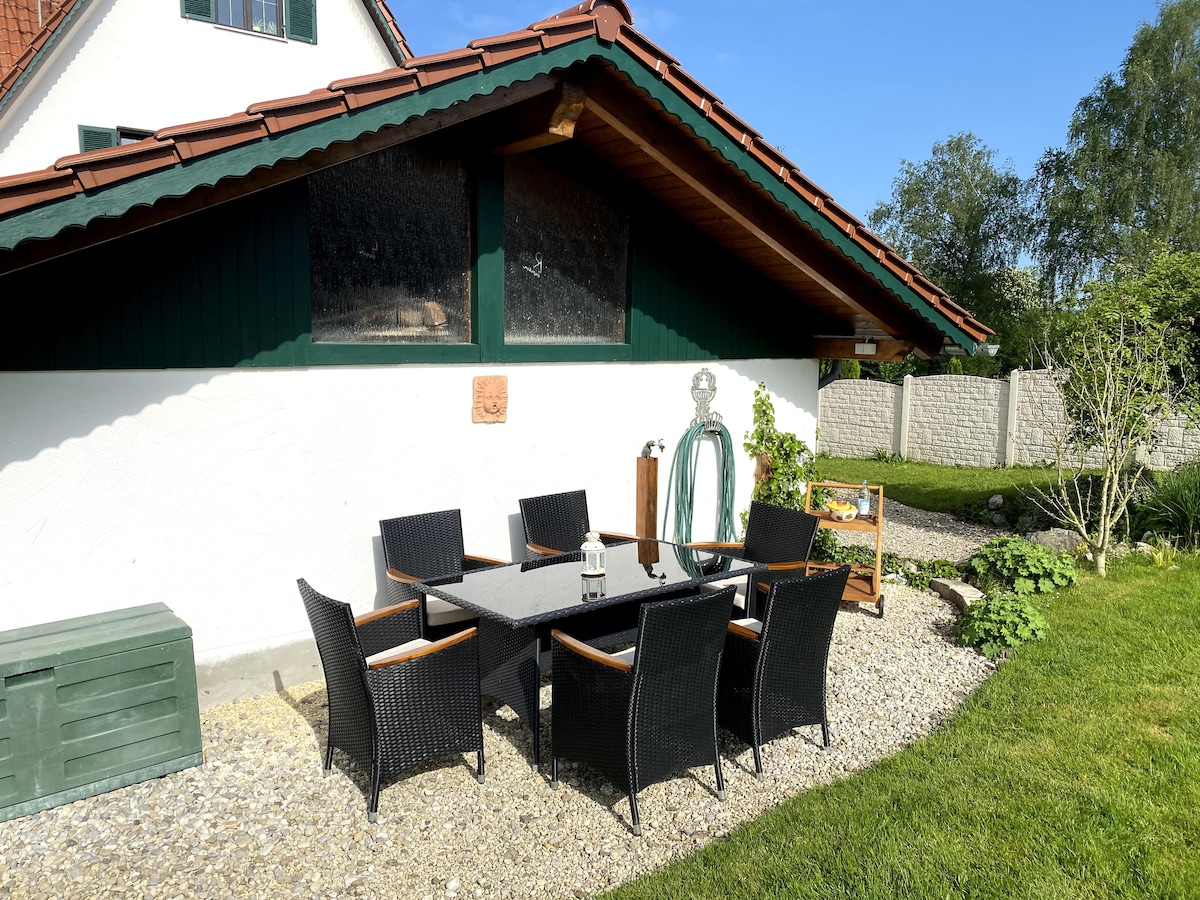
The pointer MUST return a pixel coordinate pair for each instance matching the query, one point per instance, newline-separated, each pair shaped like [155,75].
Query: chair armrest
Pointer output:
[589,652]
[607,536]
[743,631]
[484,560]
[397,575]
[377,614]
[544,551]
[715,545]
[786,566]
[417,652]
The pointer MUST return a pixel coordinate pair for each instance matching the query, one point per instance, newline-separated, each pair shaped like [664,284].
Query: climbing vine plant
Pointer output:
[784,464]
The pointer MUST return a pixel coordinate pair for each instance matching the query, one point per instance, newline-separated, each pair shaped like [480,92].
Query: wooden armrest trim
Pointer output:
[786,566]
[590,652]
[397,575]
[435,647]
[376,614]
[488,559]
[544,551]
[714,545]
[618,536]
[743,631]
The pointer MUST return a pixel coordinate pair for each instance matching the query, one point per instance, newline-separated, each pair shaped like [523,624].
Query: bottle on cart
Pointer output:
[864,499]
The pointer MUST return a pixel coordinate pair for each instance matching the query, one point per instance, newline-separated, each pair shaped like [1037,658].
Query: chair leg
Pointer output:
[633,814]
[758,766]
[373,806]
[825,733]
[479,767]
[720,779]
[554,771]
[328,760]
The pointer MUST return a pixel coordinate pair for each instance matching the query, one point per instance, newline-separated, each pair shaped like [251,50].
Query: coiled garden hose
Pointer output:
[681,483]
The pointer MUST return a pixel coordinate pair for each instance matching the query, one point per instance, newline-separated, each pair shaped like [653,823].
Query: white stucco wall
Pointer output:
[213,490]
[140,64]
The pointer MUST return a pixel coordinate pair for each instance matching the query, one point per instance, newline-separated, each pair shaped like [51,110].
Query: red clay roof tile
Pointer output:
[97,168]
[439,67]
[201,138]
[558,31]
[652,56]
[503,47]
[45,185]
[367,89]
[293,112]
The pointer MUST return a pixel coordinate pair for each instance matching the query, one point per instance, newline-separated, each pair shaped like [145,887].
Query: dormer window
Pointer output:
[292,19]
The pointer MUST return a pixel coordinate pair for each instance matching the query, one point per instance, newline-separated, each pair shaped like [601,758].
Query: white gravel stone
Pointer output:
[257,819]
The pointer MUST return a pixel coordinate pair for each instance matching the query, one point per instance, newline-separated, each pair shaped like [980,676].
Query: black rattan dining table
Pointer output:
[519,604]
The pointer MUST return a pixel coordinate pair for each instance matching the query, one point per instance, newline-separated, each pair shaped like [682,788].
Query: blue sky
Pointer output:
[846,90]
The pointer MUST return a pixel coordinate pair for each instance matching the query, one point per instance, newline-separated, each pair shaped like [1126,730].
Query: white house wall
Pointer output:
[214,490]
[140,64]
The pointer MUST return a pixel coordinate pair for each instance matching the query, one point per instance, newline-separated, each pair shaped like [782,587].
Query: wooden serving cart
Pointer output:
[865,584]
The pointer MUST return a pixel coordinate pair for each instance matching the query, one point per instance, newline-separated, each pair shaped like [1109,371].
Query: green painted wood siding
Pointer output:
[229,287]
[220,288]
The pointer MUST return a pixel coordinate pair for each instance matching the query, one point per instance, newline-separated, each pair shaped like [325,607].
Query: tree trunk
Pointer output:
[1100,557]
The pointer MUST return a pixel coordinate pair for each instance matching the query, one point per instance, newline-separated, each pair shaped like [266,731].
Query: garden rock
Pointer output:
[996,502]
[1056,539]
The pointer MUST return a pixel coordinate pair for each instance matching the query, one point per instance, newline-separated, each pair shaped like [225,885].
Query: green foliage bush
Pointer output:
[1011,563]
[1172,506]
[917,572]
[851,368]
[789,461]
[1000,622]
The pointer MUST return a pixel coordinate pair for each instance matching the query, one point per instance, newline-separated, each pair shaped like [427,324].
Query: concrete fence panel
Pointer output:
[966,420]
[857,417]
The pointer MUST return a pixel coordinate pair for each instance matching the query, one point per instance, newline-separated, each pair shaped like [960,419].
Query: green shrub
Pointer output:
[999,622]
[1014,564]
[929,569]
[851,368]
[1172,507]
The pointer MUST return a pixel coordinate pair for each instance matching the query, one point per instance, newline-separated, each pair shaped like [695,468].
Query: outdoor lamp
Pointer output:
[592,554]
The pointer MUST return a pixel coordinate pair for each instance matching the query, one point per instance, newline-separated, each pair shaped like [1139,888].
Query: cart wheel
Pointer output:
[879,605]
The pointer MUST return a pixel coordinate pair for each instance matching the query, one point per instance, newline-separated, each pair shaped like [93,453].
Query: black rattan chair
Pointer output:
[556,523]
[399,707]
[642,715]
[422,547]
[782,538]
[773,671]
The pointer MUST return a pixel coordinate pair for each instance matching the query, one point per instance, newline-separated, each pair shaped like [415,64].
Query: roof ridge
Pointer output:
[606,20]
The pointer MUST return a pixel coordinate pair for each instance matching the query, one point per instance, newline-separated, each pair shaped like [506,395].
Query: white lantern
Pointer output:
[592,554]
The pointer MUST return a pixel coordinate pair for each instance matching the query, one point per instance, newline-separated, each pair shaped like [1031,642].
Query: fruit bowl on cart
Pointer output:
[841,511]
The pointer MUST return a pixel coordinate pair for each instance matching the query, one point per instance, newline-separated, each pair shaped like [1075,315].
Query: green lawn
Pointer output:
[928,486]
[1074,772]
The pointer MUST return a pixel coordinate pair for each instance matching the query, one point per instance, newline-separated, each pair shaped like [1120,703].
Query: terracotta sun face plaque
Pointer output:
[491,399]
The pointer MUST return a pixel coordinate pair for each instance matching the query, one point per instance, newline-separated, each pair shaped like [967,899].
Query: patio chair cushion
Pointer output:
[440,612]
[390,651]
[752,624]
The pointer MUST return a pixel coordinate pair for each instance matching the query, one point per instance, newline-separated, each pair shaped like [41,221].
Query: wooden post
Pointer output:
[645,516]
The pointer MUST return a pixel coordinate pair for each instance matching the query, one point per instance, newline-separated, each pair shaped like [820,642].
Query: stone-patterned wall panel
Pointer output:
[859,417]
[1041,420]
[958,420]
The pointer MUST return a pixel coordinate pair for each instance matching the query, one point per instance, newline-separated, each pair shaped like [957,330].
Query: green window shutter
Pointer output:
[92,137]
[301,20]
[205,10]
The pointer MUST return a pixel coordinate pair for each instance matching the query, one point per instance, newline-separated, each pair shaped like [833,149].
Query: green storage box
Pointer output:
[95,703]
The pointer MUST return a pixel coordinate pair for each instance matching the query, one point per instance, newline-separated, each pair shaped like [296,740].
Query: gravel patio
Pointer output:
[258,819]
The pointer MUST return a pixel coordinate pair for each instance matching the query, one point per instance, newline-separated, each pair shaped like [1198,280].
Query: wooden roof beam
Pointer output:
[561,126]
[664,147]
